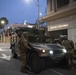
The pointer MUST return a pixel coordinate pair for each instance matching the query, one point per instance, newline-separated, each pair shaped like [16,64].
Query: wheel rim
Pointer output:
[34,62]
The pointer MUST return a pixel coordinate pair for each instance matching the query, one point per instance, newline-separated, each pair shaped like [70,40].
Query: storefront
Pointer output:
[58,33]
[61,18]
[63,26]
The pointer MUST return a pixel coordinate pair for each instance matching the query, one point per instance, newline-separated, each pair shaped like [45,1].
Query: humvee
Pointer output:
[32,55]
[40,52]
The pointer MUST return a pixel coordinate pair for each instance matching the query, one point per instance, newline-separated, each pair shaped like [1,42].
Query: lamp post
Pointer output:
[3,22]
[37,24]
[38,7]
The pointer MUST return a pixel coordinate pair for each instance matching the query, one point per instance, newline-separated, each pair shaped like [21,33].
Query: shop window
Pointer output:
[61,3]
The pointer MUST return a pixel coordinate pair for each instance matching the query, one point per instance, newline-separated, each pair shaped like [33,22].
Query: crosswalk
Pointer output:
[3,54]
[4,49]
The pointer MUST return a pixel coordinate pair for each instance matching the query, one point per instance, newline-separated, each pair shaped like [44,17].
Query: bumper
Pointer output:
[54,58]
[57,59]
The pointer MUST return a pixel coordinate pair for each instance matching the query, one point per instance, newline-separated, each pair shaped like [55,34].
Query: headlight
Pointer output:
[51,52]
[64,50]
[43,51]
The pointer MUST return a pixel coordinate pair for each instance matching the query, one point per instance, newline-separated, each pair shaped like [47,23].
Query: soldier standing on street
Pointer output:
[23,46]
[69,47]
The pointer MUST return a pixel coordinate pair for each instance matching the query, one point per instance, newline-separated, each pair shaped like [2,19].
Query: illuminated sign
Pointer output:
[59,26]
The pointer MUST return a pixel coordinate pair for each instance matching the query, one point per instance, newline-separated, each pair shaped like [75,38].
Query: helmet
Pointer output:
[25,34]
[19,33]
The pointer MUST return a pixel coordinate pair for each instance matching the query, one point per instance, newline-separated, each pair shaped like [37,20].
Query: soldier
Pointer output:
[57,41]
[23,46]
[67,44]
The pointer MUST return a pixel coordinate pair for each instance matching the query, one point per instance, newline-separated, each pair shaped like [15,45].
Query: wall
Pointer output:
[63,23]
[72,35]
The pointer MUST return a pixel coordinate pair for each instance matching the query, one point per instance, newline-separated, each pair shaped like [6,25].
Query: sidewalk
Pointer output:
[4,45]
[4,42]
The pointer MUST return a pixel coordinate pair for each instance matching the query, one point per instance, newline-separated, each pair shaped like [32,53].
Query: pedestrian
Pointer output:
[23,46]
[69,47]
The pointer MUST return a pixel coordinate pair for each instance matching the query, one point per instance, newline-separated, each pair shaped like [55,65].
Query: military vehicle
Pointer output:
[35,36]
[41,52]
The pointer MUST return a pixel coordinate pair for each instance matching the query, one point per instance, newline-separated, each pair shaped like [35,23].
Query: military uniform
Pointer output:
[67,45]
[23,46]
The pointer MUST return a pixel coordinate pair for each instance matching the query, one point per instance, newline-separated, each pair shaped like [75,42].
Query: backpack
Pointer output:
[67,44]
[72,44]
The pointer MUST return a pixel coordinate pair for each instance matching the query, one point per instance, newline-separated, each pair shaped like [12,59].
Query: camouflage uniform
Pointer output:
[23,46]
[67,45]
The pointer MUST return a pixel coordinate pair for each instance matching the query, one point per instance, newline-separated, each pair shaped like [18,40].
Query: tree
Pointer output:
[3,22]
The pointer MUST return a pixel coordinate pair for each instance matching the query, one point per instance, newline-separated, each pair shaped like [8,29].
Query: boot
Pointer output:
[23,69]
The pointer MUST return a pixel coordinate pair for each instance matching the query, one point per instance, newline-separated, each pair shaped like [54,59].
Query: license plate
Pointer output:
[43,54]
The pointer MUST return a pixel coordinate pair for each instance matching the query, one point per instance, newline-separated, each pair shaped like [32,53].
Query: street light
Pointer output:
[2,22]
[40,14]
[25,22]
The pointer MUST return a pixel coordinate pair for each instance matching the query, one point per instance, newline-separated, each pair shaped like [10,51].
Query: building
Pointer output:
[5,33]
[61,18]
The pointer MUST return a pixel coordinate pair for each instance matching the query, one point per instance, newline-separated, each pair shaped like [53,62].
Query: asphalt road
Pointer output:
[10,66]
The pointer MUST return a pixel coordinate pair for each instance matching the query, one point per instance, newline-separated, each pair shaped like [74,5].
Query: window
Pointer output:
[49,5]
[74,0]
[61,3]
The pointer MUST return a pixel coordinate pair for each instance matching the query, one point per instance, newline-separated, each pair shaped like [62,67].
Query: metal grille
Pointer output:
[58,52]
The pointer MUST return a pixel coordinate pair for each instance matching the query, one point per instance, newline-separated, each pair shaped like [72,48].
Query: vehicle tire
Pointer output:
[14,55]
[34,63]
[63,61]
[43,64]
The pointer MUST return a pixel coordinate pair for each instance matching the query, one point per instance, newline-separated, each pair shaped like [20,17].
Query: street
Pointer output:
[10,66]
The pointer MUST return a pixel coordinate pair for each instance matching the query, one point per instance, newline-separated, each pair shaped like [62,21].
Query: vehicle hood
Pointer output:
[46,46]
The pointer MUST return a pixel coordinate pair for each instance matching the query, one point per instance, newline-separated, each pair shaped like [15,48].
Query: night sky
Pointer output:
[18,11]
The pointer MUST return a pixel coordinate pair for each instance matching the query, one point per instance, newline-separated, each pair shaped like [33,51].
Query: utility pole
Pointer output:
[37,23]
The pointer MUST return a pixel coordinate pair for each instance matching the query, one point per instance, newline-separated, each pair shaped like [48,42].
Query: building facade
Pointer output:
[61,18]
[5,33]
